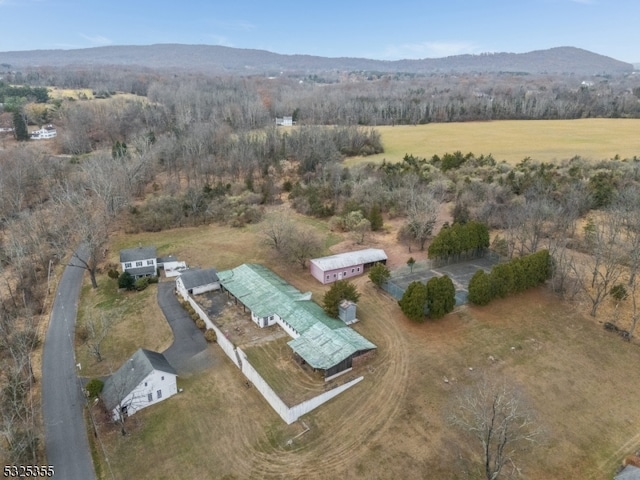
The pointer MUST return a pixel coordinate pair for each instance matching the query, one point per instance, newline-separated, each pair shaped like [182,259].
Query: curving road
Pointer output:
[66,441]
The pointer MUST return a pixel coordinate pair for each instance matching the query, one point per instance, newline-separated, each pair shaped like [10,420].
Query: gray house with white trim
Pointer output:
[140,261]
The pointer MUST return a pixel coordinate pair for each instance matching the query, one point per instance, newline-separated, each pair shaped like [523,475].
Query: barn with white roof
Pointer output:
[345,265]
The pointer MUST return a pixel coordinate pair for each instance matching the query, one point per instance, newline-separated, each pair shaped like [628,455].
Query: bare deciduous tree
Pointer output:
[493,415]
[98,328]
[277,231]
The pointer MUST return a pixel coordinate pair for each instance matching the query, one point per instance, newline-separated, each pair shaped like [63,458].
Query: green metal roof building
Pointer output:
[320,341]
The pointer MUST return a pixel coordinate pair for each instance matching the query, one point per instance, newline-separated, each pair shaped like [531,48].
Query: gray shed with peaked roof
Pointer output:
[144,379]
[196,281]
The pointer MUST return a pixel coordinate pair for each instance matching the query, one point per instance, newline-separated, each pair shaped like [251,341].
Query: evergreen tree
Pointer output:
[441,296]
[340,290]
[413,301]
[379,274]
[126,281]
[375,217]
[480,288]
[20,127]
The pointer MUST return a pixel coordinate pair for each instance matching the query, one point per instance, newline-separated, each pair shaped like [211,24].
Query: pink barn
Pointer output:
[345,265]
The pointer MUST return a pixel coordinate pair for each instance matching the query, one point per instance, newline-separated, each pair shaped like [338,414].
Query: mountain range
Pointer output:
[214,59]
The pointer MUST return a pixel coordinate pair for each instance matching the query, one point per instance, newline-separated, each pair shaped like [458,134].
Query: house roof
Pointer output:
[322,347]
[196,278]
[138,253]
[167,259]
[349,259]
[323,341]
[131,373]
[628,473]
[142,271]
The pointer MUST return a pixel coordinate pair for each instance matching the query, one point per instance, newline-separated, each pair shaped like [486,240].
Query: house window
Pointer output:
[145,384]
[138,264]
[328,277]
[127,265]
[353,270]
[358,268]
[159,394]
[344,274]
[162,378]
[149,262]
[335,275]
[150,397]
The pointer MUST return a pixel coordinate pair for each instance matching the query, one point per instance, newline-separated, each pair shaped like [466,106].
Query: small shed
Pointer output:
[345,265]
[195,281]
[143,380]
[347,312]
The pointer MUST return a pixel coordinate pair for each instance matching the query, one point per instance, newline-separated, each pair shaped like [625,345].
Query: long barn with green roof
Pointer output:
[324,343]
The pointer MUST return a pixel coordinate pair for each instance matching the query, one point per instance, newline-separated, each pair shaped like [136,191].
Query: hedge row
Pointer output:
[512,277]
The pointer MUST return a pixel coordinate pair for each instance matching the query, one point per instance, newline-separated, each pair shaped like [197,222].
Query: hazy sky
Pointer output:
[386,30]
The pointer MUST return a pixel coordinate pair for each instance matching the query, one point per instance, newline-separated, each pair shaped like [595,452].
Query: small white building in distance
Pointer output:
[48,131]
[284,121]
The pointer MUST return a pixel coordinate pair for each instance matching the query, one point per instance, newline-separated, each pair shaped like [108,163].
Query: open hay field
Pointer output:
[580,379]
[513,140]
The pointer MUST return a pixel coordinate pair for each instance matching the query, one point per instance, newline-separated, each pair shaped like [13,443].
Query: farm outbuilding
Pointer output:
[196,281]
[324,343]
[345,265]
[143,380]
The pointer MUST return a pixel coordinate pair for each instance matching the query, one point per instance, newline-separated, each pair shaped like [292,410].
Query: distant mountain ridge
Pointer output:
[220,60]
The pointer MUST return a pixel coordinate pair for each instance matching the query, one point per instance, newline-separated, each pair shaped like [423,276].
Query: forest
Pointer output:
[159,151]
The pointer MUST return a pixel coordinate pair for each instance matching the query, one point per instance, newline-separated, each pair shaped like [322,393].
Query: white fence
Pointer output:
[239,358]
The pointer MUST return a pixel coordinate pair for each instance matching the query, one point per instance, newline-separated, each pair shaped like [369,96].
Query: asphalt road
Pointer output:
[188,353]
[66,441]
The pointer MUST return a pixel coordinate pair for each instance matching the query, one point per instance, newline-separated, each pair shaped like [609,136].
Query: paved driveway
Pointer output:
[188,353]
[66,441]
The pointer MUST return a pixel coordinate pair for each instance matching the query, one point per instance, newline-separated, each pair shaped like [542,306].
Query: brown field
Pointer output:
[513,140]
[393,423]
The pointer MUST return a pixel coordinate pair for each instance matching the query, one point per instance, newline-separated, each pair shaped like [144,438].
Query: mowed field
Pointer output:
[581,380]
[513,140]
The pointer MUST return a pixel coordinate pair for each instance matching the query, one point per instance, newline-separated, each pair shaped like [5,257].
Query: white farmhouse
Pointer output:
[140,261]
[145,379]
[44,133]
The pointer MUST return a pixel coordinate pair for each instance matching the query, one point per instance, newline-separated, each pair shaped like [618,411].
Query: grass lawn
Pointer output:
[137,321]
[513,140]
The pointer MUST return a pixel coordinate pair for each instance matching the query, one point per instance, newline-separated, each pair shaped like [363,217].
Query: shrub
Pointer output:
[113,273]
[441,296]
[94,387]
[154,279]
[141,283]
[82,334]
[379,274]
[210,336]
[413,301]
[200,323]
[125,280]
